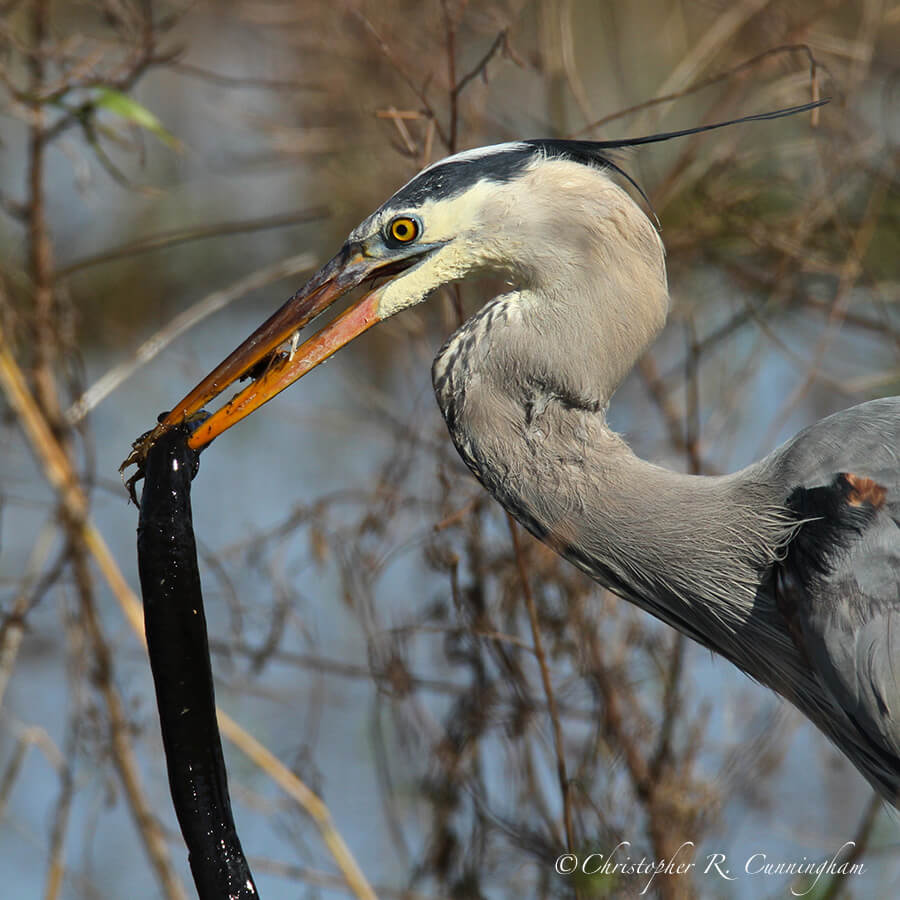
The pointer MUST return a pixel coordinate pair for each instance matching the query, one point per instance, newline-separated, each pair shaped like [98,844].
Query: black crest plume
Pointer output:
[593,153]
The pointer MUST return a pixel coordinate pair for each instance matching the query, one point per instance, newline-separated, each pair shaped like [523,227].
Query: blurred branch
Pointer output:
[181,323]
[814,66]
[722,28]
[61,819]
[14,209]
[177,236]
[58,471]
[850,272]
[28,736]
[860,844]
[547,682]
[120,731]
[316,878]
[310,802]
[401,71]
[57,468]
[12,628]
[450,53]
[500,45]
[243,81]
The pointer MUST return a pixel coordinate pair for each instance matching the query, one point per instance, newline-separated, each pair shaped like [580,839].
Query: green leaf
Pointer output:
[128,108]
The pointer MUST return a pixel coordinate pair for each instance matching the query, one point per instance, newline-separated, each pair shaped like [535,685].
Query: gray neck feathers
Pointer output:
[524,387]
[691,550]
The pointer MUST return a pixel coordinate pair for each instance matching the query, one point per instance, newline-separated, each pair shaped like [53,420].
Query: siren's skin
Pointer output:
[179,659]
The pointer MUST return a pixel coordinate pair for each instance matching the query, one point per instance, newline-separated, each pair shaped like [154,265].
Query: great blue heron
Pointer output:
[789,568]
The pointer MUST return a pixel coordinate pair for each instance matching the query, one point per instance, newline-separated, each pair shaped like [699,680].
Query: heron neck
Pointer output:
[691,550]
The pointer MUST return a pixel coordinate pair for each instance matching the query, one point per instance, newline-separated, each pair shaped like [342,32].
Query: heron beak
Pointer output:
[288,366]
[259,358]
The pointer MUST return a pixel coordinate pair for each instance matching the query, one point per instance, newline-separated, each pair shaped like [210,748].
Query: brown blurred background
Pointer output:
[168,174]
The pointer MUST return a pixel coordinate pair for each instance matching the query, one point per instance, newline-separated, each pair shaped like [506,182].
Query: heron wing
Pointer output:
[839,584]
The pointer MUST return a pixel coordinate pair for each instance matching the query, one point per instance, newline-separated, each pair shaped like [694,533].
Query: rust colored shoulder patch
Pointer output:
[864,490]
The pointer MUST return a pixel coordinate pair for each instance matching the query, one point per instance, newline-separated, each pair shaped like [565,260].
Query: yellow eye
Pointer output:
[403,229]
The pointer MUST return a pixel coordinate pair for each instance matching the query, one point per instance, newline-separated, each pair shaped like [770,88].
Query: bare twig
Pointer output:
[57,468]
[559,746]
[814,66]
[418,92]
[178,236]
[860,844]
[243,82]
[181,323]
[501,45]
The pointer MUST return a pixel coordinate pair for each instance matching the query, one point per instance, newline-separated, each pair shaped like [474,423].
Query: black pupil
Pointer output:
[402,230]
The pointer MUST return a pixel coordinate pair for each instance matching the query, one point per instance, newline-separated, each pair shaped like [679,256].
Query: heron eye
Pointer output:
[403,229]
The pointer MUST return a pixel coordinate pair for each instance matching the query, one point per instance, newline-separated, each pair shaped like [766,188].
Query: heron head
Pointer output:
[531,211]
[518,208]
[535,210]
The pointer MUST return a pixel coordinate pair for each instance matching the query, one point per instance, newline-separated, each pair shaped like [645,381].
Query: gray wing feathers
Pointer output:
[854,644]
[840,582]
[864,439]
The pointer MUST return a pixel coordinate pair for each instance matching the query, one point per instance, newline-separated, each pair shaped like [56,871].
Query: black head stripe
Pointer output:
[455,176]
[502,164]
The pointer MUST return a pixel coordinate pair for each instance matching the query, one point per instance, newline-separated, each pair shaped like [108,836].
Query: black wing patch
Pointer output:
[838,589]
[833,515]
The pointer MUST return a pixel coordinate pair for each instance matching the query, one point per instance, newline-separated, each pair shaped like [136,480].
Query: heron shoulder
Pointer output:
[837,587]
[864,440]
